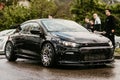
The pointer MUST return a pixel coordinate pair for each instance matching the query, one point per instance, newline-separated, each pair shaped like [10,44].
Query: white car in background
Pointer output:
[4,37]
[117,41]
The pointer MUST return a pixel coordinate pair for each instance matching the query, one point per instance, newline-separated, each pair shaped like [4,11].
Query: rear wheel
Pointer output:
[9,52]
[48,55]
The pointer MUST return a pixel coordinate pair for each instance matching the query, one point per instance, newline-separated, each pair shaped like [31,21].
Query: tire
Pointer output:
[48,55]
[9,52]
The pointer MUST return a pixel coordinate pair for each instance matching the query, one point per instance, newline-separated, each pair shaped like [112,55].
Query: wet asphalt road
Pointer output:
[32,70]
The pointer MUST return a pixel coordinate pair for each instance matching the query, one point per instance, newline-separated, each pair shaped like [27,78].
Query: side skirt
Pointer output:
[26,54]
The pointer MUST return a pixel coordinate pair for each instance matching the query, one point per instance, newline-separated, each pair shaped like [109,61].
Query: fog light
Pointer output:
[69,53]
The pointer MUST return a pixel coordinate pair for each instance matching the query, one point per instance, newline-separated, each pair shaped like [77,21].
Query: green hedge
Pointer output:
[85,8]
[78,10]
[15,14]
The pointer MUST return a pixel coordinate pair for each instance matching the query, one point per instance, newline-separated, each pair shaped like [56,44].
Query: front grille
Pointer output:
[91,57]
[71,57]
[94,44]
[96,54]
[88,55]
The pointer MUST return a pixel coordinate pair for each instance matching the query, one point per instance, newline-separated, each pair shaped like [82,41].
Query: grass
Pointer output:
[117,50]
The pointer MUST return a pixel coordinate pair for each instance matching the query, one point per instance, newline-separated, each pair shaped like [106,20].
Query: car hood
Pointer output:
[81,37]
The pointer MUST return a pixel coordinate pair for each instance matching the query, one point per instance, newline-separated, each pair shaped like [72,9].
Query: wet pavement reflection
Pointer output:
[33,70]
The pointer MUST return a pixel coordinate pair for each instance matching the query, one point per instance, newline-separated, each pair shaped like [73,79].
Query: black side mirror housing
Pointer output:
[36,32]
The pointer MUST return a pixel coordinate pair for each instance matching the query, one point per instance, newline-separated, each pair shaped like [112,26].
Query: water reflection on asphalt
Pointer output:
[33,70]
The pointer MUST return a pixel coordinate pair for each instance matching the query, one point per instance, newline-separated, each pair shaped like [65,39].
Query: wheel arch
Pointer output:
[54,58]
[10,42]
[53,44]
[11,56]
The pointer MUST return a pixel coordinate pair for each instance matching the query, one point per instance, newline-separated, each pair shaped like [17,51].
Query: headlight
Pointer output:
[70,44]
[110,43]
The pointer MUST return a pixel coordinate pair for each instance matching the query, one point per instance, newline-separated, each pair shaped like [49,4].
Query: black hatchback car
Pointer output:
[58,41]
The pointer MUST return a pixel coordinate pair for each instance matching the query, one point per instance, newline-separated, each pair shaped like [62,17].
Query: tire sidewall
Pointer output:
[11,56]
[52,62]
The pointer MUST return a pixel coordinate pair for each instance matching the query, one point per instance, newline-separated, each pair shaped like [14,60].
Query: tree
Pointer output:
[42,9]
[9,2]
[85,8]
[63,9]
[15,14]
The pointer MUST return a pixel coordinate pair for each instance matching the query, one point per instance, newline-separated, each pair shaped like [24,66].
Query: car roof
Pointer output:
[38,20]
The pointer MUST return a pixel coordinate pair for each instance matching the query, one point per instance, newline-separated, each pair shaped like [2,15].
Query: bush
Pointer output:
[15,14]
[85,8]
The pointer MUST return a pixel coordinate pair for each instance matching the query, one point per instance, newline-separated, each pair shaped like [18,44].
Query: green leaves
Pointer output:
[42,8]
[15,14]
[85,8]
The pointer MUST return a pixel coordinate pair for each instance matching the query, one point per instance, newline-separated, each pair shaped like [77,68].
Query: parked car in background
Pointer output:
[4,37]
[58,41]
[117,41]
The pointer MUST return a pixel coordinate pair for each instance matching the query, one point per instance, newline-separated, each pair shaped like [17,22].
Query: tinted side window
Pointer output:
[25,28]
[34,26]
[30,26]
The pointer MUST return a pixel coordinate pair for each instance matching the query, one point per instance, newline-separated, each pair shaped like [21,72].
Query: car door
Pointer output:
[33,40]
[20,39]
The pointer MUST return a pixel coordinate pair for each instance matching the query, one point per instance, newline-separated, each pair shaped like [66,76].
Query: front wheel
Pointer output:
[9,52]
[48,55]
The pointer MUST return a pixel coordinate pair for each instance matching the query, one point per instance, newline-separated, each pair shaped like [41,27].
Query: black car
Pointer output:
[60,41]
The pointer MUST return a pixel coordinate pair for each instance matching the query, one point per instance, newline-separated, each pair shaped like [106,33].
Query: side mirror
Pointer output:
[36,32]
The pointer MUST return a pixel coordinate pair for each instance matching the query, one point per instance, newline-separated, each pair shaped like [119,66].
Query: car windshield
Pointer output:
[6,32]
[63,26]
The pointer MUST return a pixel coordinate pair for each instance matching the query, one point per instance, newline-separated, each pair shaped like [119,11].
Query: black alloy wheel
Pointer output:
[9,52]
[48,55]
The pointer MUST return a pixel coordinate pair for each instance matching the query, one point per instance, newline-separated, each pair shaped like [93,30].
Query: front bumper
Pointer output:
[86,55]
[98,62]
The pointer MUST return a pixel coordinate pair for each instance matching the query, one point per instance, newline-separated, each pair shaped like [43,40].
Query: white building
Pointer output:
[24,3]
